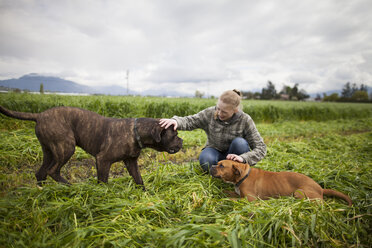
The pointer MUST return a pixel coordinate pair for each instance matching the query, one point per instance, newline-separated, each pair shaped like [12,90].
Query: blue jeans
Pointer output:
[210,156]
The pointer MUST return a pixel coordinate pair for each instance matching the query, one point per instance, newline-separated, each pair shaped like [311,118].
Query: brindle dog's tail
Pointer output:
[19,115]
[335,193]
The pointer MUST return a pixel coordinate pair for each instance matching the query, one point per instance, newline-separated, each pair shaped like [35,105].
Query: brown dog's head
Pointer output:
[229,171]
[166,139]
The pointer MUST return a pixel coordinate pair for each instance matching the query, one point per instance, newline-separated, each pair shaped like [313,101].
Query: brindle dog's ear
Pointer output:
[156,133]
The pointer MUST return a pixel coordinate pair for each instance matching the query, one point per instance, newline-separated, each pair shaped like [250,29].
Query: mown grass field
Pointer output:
[182,207]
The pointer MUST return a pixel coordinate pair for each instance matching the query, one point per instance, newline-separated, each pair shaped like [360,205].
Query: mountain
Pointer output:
[32,82]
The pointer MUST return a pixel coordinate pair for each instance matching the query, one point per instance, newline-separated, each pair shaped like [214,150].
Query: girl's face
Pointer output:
[225,111]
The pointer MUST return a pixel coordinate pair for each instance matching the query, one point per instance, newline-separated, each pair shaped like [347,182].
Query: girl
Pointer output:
[231,133]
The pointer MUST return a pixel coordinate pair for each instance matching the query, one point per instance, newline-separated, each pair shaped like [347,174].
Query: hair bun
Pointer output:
[237,92]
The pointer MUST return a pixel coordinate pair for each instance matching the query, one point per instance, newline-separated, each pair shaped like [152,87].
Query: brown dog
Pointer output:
[255,183]
[109,140]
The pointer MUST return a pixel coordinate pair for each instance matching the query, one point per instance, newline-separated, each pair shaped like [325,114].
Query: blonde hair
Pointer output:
[232,97]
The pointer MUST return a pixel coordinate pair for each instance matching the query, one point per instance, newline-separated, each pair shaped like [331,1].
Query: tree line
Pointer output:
[270,93]
[350,93]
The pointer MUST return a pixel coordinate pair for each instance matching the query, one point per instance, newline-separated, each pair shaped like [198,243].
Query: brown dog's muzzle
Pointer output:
[214,172]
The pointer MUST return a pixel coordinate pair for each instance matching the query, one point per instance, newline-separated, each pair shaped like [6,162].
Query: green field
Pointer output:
[182,207]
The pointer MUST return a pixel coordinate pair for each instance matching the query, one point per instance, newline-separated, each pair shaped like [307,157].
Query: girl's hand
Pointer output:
[235,157]
[167,123]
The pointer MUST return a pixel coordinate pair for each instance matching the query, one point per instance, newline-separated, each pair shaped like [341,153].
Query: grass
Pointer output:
[156,107]
[182,207]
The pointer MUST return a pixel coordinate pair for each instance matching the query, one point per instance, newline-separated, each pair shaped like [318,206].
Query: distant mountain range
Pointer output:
[32,82]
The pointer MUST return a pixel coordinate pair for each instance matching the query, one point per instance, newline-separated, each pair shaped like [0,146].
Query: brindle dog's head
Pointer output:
[166,139]
[229,171]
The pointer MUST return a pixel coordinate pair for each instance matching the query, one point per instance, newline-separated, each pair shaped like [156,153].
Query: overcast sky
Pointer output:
[205,45]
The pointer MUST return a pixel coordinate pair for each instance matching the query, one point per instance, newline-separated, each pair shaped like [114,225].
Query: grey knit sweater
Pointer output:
[220,134]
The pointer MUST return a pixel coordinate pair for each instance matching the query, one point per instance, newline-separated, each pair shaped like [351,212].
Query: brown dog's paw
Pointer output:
[231,193]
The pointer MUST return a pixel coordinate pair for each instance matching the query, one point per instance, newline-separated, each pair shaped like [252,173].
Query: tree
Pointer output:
[248,95]
[257,95]
[360,96]
[354,88]
[353,93]
[331,98]
[294,92]
[286,90]
[199,94]
[302,95]
[41,88]
[269,92]
[363,88]
[346,91]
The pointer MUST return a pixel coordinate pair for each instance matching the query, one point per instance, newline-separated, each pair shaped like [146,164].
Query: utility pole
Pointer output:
[127,82]
[208,90]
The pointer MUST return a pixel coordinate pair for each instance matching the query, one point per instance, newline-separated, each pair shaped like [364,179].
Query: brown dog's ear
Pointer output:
[237,169]
[156,133]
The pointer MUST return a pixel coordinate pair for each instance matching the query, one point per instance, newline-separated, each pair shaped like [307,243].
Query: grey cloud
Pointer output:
[191,74]
[207,42]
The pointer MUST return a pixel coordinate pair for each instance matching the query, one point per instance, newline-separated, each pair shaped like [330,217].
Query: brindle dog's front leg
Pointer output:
[133,169]
[103,168]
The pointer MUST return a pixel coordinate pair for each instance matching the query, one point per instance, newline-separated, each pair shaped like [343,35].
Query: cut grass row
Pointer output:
[180,208]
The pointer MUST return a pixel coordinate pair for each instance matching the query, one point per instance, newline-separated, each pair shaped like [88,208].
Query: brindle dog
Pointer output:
[109,140]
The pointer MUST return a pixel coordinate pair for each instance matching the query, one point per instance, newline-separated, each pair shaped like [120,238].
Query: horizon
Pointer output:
[141,93]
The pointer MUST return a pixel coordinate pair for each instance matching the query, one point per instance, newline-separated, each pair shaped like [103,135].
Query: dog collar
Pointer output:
[138,138]
[245,177]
